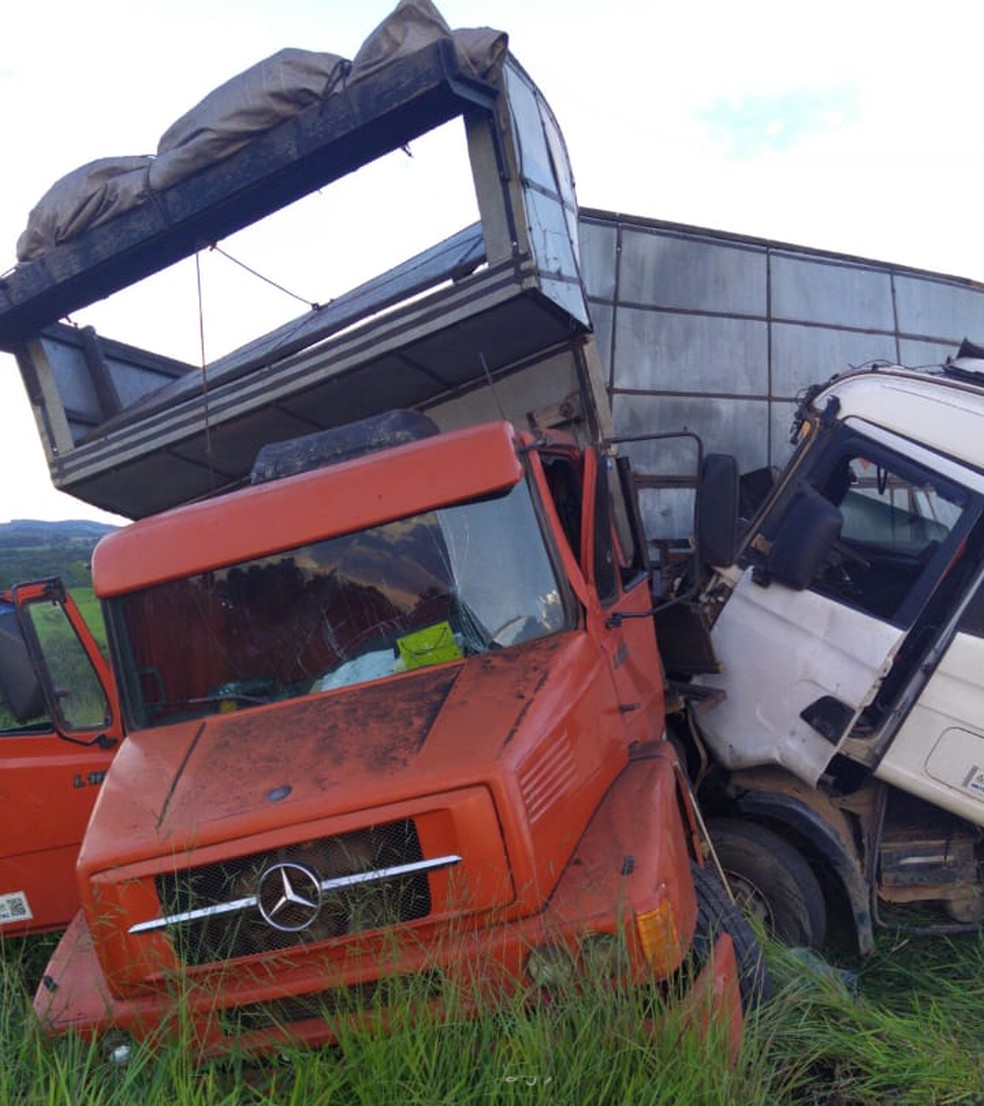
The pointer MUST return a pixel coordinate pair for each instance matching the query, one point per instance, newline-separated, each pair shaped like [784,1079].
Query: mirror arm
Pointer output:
[102,741]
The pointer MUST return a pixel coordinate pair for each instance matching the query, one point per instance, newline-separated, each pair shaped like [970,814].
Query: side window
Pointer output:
[565,490]
[630,552]
[896,518]
[884,510]
[604,552]
[81,701]
[619,552]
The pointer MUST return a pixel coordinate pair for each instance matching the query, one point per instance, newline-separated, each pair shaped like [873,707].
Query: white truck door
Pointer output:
[938,752]
[805,666]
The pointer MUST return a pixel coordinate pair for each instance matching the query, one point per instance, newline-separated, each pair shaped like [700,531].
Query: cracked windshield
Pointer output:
[435,587]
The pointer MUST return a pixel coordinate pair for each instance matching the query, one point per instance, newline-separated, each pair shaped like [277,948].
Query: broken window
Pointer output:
[428,589]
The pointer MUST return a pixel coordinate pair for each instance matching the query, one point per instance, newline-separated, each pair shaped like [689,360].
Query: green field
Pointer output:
[88,605]
[909,1031]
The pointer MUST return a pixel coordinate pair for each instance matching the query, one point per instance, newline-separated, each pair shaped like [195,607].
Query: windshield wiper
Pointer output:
[163,705]
[476,636]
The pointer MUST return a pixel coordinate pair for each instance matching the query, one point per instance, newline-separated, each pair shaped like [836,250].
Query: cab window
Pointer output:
[898,522]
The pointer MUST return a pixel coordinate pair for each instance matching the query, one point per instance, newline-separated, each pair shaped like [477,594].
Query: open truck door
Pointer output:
[849,576]
[58,731]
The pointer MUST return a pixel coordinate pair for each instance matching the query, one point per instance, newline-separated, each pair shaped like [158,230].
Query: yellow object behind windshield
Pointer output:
[431,645]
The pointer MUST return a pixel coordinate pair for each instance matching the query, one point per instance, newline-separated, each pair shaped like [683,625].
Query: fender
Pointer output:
[634,858]
[781,805]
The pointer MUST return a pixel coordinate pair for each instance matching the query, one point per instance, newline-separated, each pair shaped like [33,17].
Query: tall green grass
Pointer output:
[91,610]
[910,1032]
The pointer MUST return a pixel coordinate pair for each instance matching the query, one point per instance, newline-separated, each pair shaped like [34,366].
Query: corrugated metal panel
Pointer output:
[814,291]
[716,333]
[736,426]
[669,271]
[939,309]
[802,355]
[659,351]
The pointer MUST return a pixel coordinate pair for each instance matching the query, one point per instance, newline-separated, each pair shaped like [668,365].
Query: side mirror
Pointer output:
[806,535]
[716,511]
[19,683]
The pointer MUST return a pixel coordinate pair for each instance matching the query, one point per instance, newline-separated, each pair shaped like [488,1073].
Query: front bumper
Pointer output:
[627,887]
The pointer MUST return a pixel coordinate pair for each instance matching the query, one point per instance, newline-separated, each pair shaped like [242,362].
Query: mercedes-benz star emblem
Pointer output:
[289,896]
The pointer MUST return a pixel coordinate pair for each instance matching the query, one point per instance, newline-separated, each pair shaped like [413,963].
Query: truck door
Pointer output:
[816,648]
[596,508]
[615,553]
[938,752]
[58,730]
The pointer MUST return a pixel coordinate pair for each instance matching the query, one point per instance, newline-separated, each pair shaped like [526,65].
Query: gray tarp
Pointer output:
[84,198]
[253,101]
[227,118]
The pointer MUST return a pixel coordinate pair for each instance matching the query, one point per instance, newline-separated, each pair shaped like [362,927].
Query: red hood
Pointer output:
[289,762]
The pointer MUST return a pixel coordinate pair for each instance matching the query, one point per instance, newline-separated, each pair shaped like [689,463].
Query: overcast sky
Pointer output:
[849,126]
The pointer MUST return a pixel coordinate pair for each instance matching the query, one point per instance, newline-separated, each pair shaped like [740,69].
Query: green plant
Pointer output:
[909,1034]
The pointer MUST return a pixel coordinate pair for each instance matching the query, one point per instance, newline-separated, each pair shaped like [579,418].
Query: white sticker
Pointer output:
[14,908]
[975,780]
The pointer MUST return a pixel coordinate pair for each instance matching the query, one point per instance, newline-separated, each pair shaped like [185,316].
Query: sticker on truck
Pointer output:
[14,908]
[974,780]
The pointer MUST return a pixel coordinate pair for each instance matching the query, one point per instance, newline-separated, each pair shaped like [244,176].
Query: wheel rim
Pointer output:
[750,900]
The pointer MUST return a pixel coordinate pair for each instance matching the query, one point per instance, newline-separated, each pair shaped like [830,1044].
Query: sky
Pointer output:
[856,127]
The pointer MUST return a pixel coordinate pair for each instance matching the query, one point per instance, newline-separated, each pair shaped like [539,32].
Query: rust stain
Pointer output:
[375,730]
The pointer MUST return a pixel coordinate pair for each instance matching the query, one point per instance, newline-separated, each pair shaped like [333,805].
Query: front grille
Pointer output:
[374,994]
[246,931]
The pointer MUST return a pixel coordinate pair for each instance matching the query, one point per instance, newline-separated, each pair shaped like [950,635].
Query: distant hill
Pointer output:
[31,549]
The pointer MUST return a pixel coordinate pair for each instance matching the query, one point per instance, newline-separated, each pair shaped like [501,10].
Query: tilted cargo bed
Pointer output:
[133,432]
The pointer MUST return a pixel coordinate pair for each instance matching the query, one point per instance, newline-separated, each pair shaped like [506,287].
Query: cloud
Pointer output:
[755,124]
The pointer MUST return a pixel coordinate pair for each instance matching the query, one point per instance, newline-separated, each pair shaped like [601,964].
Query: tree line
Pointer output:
[70,560]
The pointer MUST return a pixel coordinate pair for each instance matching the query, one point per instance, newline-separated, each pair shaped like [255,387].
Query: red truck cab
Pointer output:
[386,717]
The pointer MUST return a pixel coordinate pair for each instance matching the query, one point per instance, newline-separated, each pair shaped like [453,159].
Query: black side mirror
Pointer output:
[716,523]
[806,535]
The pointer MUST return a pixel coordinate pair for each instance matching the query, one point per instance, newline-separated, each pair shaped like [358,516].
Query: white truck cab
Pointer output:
[849,638]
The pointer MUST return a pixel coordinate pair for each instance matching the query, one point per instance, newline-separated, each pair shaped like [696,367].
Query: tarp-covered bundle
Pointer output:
[252,102]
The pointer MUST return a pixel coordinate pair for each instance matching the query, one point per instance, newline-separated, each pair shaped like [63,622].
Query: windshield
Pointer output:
[435,587]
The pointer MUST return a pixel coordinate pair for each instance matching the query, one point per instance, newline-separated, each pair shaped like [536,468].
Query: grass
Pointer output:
[906,1030]
[910,1032]
[91,611]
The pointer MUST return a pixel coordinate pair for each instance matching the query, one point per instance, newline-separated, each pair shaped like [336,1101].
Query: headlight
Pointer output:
[550,966]
[117,1048]
[604,956]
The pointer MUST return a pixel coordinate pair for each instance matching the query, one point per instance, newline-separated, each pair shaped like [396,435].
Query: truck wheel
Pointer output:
[716,913]
[772,881]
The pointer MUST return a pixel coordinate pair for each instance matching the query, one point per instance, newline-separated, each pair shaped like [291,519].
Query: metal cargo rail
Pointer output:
[491,301]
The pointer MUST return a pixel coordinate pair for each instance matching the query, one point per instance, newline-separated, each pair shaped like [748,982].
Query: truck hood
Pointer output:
[233,775]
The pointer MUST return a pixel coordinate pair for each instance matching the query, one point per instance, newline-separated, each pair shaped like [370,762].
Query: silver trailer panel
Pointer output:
[718,333]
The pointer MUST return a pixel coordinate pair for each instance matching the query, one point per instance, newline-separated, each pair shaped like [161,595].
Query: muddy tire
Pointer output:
[772,881]
[717,914]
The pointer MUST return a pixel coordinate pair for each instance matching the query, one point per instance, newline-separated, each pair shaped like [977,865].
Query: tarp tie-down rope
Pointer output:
[253,272]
